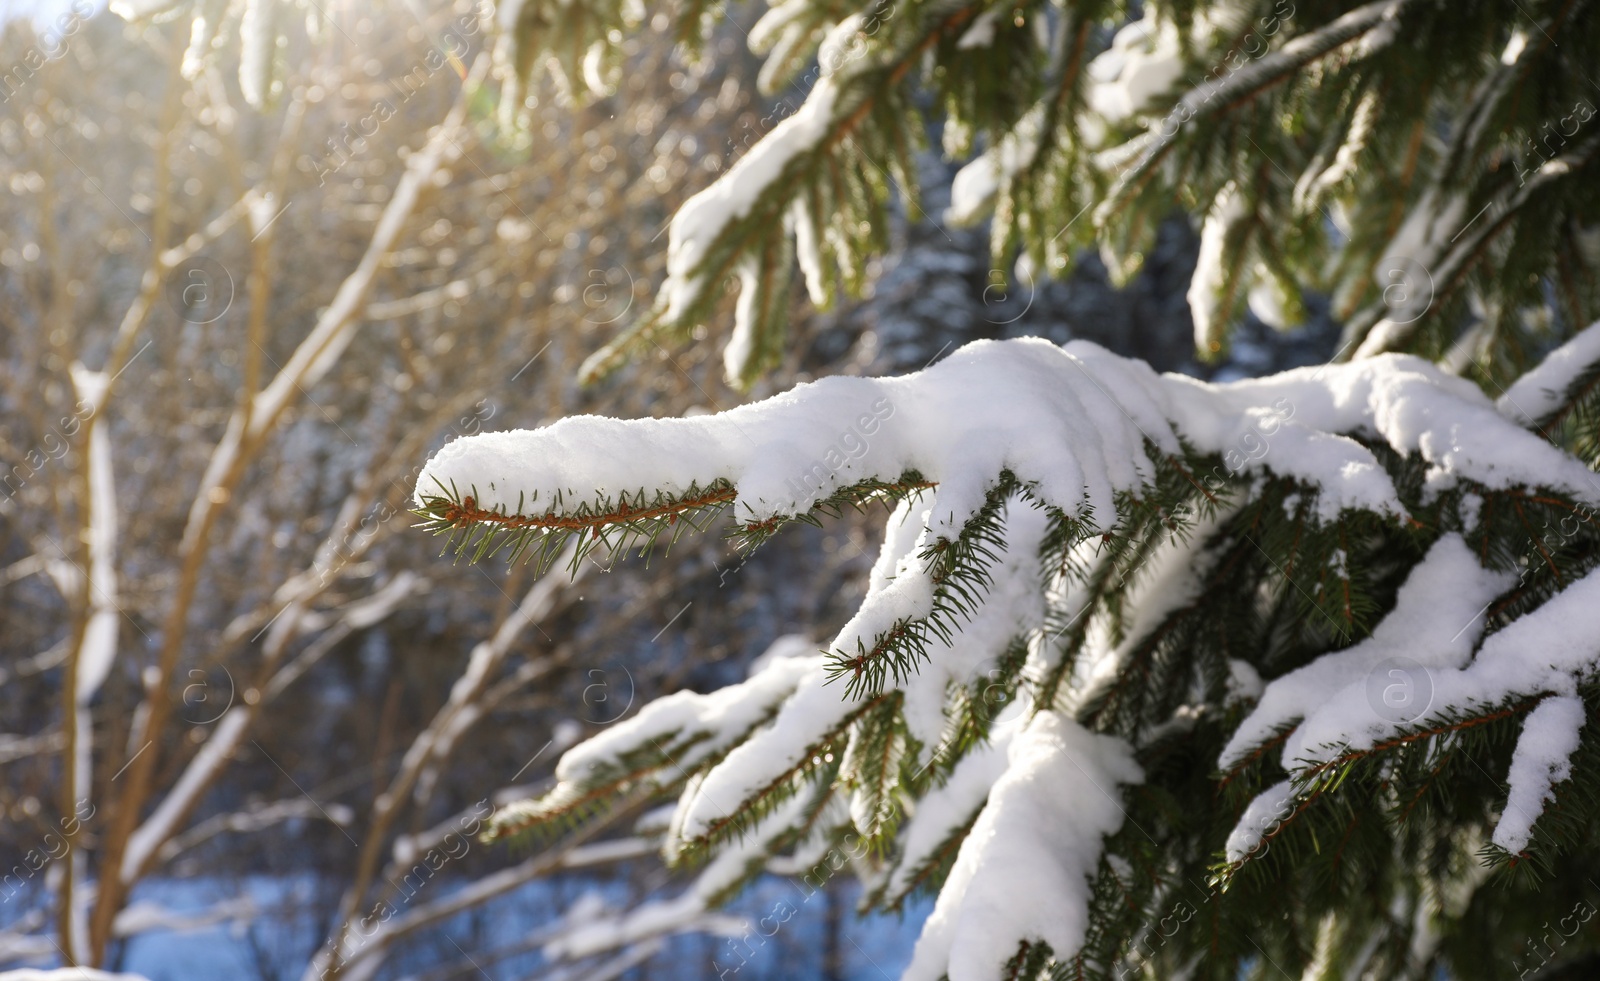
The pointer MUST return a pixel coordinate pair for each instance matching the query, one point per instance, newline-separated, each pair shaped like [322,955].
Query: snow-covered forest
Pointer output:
[805,490]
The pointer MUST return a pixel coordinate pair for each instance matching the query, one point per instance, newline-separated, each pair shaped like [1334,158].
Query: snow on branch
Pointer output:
[812,188]
[1075,425]
[1214,96]
[667,738]
[1543,758]
[1024,873]
[1549,651]
[1355,705]
[1064,523]
[1543,397]
[1436,623]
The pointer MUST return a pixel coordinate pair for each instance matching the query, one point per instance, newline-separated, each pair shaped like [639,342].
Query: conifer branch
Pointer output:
[959,570]
[777,790]
[1451,273]
[1220,96]
[631,521]
[636,520]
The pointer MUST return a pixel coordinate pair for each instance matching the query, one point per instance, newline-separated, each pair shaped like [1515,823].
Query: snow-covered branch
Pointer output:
[1073,513]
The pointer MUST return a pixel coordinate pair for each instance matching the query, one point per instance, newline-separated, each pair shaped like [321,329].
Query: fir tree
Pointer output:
[1153,678]
[1087,570]
[1427,165]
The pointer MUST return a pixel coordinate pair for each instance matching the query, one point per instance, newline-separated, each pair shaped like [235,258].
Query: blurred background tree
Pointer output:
[263,316]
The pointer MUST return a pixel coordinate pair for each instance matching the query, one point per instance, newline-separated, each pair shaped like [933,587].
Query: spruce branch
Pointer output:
[871,116]
[929,874]
[750,534]
[570,805]
[972,709]
[1451,274]
[1219,96]
[1362,769]
[631,521]
[781,788]
[959,570]
[871,769]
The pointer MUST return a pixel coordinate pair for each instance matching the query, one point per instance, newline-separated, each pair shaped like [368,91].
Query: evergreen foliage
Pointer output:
[1298,828]
[1410,566]
[1428,165]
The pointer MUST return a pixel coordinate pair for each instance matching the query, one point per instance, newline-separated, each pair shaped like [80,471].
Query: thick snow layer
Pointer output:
[1547,651]
[1544,654]
[1436,622]
[1070,421]
[814,710]
[723,716]
[1057,426]
[1404,401]
[1024,873]
[1542,759]
[702,218]
[944,809]
[1013,608]
[1539,392]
